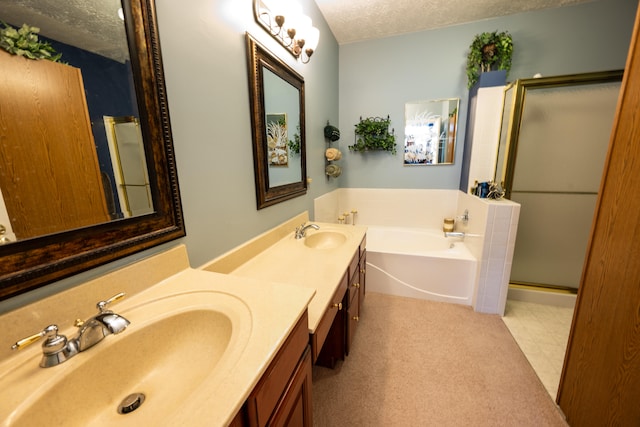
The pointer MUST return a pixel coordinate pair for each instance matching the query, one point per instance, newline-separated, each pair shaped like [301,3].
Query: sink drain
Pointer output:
[131,403]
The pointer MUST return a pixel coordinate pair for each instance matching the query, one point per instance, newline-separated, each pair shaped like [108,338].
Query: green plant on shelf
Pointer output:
[372,134]
[489,51]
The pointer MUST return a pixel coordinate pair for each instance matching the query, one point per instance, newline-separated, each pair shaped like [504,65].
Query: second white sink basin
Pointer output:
[325,239]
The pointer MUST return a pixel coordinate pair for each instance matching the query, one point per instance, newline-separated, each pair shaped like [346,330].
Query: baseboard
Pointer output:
[542,297]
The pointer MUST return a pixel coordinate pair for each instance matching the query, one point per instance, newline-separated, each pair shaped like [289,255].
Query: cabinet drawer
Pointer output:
[267,393]
[335,305]
[353,265]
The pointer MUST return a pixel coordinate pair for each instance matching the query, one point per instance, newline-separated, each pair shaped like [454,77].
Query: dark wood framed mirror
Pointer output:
[46,256]
[278,126]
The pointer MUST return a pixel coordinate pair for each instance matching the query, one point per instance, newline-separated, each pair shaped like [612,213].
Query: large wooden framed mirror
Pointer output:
[278,127]
[52,237]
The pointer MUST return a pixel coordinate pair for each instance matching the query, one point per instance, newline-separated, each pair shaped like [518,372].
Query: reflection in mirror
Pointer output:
[87,173]
[130,172]
[430,131]
[79,173]
[282,107]
[278,127]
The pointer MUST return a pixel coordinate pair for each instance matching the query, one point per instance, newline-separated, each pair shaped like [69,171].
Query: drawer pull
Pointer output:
[338,306]
[363,271]
[356,318]
[356,285]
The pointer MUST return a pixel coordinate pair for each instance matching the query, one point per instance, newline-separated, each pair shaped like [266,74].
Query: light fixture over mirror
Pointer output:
[430,132]
[136,100]
[287,24]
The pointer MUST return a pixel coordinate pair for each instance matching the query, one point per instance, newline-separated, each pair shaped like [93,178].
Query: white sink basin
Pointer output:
[325,239]
[172,347]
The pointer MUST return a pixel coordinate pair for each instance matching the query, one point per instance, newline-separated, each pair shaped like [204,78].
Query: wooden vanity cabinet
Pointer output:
[341,325]
[282,396]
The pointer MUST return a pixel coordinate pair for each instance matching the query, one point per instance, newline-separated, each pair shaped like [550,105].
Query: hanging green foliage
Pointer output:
[372,133]
[489,51]
[24,42]
[294,144]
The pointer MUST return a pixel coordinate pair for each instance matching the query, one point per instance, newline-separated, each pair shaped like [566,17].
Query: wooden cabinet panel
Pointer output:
[44,121]
[326,323]
[363,276]
[295,409]
[333,347]
[353,265]
[275,382]
[600,384]
[353,317]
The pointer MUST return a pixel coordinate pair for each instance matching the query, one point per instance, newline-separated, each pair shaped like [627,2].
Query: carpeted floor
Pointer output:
[424,363]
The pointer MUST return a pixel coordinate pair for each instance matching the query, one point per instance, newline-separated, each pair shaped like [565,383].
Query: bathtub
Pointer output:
[419,263]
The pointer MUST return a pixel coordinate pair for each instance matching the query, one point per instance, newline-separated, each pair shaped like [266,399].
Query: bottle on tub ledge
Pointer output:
[448,225]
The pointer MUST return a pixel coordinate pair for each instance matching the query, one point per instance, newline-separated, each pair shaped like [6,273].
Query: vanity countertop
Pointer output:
[290,261]
[274,309]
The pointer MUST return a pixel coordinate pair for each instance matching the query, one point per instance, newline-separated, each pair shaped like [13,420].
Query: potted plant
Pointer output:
[373,133]
[488,52]
[24,42]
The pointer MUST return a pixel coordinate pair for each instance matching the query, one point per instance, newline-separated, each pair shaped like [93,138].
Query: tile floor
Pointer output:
[542,332]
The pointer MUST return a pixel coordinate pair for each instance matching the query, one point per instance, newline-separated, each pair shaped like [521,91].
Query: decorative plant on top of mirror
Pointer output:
[489,52]
[373,134]
[24,42]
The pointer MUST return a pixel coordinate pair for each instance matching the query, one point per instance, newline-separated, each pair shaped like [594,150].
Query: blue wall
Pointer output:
[378,77]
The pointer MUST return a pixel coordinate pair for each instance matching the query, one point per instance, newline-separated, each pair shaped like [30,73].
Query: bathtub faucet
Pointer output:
[464,217]
[458,234]
[302,230]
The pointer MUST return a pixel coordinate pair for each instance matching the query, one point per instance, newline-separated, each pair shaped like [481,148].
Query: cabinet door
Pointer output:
[295,408]
[363,276]
[276,382]
[353,317]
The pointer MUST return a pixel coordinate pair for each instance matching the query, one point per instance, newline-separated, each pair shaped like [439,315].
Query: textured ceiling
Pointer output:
[94,26]
[358,20]
[90,24]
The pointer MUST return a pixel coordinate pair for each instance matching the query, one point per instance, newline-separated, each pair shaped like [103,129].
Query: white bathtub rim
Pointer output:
[457,249]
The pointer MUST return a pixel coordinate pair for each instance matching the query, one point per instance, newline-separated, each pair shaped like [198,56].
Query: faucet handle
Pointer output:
[50,331]
[56,348]
[102,305]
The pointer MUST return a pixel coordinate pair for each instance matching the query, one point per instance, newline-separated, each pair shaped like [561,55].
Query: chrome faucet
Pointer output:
[302,230]
[464,217]
[104,323]
[57,349]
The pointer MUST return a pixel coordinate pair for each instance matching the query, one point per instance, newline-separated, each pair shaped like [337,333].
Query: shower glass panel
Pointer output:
[557,143]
